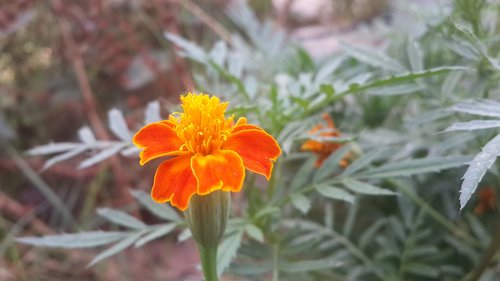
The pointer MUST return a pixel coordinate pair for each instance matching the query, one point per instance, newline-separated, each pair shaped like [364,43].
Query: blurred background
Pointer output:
[65,63]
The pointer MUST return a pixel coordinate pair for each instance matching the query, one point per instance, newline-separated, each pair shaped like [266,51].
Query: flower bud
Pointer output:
[207,216]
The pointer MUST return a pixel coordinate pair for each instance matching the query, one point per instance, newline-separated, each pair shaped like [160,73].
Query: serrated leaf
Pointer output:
[85,135]
[115,249]
[333,192]
[101,155]
[481,163]
[118,125]
[331,164]
[301,202]
[370,57]
[157,233]
[473,125]
[304,266]
[488,108]
[163,211]
[152,112]
[366,188]
[414,167]
[227,251]
[75,240]
[254,232]
[121,218]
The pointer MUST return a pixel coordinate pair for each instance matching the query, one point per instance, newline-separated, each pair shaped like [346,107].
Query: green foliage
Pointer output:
[392,213]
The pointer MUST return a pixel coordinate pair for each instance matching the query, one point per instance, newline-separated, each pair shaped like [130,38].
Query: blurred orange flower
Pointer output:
[323,149]
[209,152]
[487,201]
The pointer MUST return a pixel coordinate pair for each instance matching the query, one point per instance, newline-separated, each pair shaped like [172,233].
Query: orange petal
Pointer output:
[257,148]
[157,139]
[242,125]
[174,181]
[221,170]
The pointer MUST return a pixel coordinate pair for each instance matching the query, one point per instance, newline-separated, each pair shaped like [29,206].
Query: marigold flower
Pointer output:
[323,149]
[207,151]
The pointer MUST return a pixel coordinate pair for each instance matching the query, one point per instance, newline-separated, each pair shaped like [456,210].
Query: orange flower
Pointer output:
[325,148]
[487,201]
[208,152]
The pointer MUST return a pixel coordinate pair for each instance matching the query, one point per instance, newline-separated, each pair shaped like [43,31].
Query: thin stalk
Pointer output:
[208,257]
[275,263]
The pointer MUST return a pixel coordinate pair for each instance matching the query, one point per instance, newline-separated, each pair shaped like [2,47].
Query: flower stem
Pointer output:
[208,256]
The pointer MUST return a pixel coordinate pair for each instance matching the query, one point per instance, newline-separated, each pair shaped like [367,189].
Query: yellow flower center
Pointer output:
[202,126]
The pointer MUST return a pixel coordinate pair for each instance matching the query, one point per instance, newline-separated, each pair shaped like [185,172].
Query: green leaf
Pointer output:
[53,148]
[415,55]
[481,163]
[184,235]
[75,240]
[157,233]
[421,269]
[366,188]
[118,125]
[304,174]
[403,89]
[227,251]
[421,251]
[473,125]
[266,210]
[333,192]
[479,229]
[369,234]
[414,167]
[301,202]
[388,81]
[102,155]
[331,164]
[371,57]
[303,266]
[190,49]
[327,89]
[246,269]
[450,83]
[363,161]
[328,68]
[488,108]
[121,218]
[115,249]
[254,232]
[163,211]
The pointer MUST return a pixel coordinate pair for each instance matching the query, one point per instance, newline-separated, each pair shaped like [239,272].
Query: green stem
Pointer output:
[208,256]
